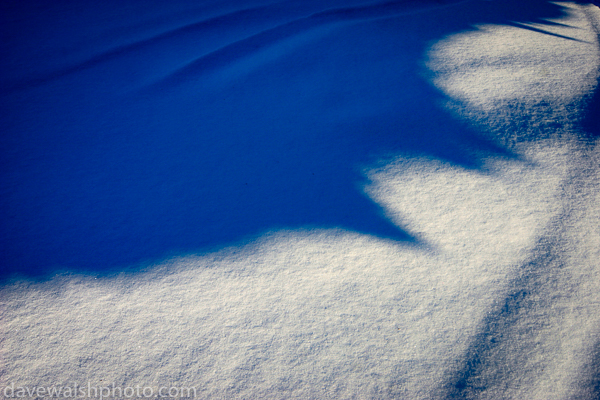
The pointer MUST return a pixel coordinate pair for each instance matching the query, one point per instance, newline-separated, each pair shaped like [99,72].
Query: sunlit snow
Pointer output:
[302,200]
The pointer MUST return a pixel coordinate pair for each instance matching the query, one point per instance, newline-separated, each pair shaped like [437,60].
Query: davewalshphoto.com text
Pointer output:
[107,391]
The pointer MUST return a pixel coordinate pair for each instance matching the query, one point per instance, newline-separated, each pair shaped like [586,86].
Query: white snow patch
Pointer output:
[335,314]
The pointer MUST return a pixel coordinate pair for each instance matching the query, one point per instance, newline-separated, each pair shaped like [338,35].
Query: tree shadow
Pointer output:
[214,133]
[495,359]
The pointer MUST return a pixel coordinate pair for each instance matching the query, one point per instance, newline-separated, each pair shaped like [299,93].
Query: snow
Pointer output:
[301,200]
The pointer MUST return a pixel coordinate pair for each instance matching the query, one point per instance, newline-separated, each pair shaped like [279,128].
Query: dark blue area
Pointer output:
[171,139]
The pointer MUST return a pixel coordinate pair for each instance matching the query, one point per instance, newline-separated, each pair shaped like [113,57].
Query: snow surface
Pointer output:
[301,199]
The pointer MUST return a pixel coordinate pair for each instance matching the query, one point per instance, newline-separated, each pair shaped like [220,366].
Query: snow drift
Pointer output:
[302,200]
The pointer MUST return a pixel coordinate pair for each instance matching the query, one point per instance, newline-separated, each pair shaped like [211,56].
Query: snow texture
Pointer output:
[300,199]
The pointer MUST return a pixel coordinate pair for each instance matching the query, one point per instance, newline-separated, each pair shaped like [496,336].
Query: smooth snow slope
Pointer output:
[336,200]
